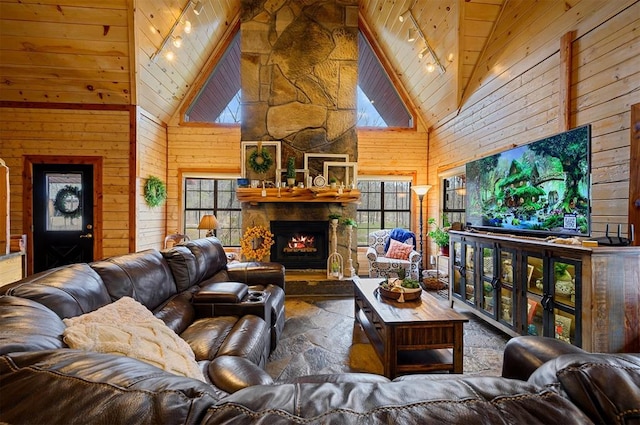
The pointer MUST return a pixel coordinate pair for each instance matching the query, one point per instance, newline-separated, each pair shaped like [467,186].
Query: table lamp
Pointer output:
[208,222]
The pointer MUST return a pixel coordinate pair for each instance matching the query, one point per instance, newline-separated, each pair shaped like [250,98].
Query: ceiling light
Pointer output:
[431,67]
[197,8]
[177,41]
[412,35]
[451,57]
[405,15]
[170,56]
[423,53]
[187,27]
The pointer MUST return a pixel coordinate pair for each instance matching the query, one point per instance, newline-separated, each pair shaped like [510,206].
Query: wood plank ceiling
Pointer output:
[86,46]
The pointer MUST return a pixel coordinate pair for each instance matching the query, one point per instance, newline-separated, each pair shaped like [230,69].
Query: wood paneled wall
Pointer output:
[151,161]
[70,51]
[66,132]
[516,101]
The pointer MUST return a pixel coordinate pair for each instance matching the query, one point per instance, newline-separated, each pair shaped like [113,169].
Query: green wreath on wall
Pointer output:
[67,202]
[260,160]
[155,191]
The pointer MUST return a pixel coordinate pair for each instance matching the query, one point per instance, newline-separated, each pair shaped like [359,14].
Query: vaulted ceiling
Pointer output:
[457,30]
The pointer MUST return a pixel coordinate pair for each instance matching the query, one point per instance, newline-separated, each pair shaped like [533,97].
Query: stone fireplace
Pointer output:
[299,76]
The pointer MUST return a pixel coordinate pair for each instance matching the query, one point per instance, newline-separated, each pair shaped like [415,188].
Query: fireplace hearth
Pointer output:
[300,244]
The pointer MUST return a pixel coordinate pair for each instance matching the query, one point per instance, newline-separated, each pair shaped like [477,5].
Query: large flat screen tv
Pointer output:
[540,188]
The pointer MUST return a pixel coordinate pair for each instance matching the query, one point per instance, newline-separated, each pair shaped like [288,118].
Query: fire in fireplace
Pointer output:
[300,244]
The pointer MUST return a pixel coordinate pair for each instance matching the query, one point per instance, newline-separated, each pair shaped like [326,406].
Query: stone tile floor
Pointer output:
[320,336]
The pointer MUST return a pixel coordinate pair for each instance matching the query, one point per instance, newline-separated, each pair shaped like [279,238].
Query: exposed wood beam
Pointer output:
[634,173]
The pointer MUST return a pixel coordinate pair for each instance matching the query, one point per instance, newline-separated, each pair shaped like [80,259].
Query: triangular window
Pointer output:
[378,103]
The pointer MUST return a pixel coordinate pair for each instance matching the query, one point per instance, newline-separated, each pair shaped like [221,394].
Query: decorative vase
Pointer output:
[444,250]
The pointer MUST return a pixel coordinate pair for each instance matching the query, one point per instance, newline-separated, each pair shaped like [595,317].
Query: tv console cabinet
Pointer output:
[588,296]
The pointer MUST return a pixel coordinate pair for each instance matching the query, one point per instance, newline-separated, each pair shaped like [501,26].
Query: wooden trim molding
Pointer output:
[564,92]
[27,206]
[634,173]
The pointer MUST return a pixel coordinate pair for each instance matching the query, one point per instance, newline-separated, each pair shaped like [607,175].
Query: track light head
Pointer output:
[405,15]
[431,67]
[412,35]
[423,53]
[197,8]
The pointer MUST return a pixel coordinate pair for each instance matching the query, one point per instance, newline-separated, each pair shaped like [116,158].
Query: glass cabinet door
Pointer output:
[488,280]
[456,269]
[564,288]
[534,277]
[507,300]
[469,270]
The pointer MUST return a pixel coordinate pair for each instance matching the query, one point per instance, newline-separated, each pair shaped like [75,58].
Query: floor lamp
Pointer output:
[421,190]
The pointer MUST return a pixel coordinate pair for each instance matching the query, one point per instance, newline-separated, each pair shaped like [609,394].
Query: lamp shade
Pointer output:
[208,222]
[421,190]
[404,16]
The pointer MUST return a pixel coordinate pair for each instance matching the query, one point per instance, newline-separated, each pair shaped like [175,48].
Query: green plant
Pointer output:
[291,168]
[349,222]
[439,236]
[333,180]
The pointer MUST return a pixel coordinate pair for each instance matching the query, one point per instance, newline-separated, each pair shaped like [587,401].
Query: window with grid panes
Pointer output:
[212,196]
[384,204]
[453,202]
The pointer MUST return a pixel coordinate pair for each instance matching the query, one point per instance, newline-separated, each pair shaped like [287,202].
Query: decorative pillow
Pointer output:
[398,250]
[128,328]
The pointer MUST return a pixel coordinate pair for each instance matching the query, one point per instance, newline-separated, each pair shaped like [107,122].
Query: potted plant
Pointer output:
[291,171]
[334,217]
[439,235]
[349,222]
[333,183]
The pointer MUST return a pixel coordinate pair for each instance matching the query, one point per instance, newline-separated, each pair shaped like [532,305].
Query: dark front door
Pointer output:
[62,215]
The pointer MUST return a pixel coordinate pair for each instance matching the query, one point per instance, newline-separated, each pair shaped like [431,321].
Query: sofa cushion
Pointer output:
[77,387]
[231,373]
[205,336]
[128,328]
[68,290]
[183,265]
[28,326]
[604,386]
[144,276]
[210,256]
[177,313]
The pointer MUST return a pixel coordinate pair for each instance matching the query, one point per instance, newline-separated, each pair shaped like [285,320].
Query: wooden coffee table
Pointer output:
[417,336]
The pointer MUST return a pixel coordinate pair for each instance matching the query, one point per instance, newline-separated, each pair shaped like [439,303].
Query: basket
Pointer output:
[433,283]
[409,294]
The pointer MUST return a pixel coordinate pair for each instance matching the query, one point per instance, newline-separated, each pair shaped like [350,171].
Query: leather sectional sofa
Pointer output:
[42,380]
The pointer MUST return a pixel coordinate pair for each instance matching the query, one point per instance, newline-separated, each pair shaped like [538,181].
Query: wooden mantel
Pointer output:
[295,194]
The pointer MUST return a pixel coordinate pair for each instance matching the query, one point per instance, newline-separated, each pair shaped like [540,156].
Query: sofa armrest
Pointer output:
[257,273]
[372,255]
[231,373]
[524,354]
[414,257]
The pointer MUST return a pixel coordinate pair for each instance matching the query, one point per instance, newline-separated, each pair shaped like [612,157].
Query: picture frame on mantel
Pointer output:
[275,152]
[350,172]
[314,162]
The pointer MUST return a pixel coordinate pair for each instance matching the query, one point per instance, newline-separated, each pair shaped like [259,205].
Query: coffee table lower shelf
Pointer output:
[413,359]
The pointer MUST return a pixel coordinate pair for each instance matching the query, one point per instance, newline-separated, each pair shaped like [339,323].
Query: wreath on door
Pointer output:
[67,202]
[155,191]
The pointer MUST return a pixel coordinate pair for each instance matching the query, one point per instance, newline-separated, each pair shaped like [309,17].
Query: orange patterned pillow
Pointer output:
[399,250]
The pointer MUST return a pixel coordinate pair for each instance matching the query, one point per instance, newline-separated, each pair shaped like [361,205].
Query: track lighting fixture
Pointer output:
[408,16]
[412,35]
[177,40]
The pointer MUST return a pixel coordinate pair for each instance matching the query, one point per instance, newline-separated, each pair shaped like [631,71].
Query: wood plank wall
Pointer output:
[517,101]
[68,132]
[151,226]
[70,51]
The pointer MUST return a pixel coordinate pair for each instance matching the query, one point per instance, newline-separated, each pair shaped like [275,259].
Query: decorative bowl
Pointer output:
[410,294]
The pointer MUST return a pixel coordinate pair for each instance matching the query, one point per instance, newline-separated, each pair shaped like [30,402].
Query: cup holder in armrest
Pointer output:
[255,296]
